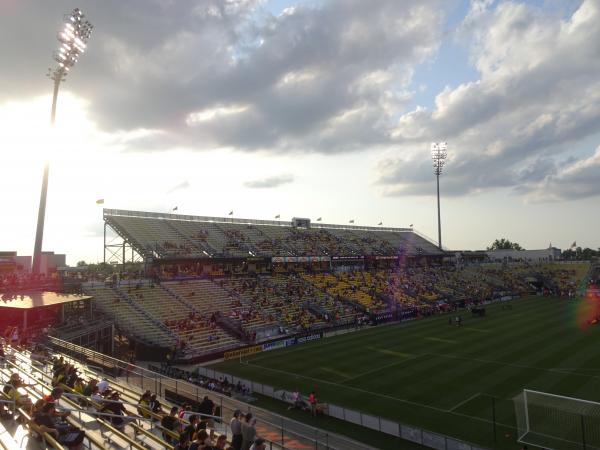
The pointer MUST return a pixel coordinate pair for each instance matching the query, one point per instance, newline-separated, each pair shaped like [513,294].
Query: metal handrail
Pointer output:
[313,434]
[102,423]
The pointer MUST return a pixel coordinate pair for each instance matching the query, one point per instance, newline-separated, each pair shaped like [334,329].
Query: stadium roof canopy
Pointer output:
[160,235]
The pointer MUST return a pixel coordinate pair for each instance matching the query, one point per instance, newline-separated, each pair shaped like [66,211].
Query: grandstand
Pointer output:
[220,283]
[156,235]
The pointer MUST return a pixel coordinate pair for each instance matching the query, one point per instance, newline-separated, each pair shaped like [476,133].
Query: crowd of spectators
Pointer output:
[184,427]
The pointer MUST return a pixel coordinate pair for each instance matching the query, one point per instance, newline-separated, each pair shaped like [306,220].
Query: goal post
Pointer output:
[557,422]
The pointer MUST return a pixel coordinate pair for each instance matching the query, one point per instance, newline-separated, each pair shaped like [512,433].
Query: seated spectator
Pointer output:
[184,443]
[170,422]
[144,405]
[221,443]
[95,396]
[117,408]
[202,441]
[12,390]
[155,405]
[259,444]
[192,428]
[70,437]
[53,398]
[103,386]
[89,387]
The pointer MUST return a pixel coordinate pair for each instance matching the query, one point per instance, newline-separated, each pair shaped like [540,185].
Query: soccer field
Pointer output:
[442,377]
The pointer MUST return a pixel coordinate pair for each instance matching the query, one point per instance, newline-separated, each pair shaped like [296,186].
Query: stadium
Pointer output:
[219,332]
[402,344]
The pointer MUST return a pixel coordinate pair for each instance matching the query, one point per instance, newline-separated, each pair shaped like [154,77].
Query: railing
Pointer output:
[407,432]
[287,429]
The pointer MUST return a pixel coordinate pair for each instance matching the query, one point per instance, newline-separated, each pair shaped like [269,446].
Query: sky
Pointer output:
[306,108]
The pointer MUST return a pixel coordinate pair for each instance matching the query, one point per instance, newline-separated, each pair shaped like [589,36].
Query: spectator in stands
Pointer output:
[170,422]
[221,443]
[248,431]
[202,441]
[89,387]
[78,386]
[185,411]
[144,405]
[184,443]
[96,397]
[236,430]
[53,398]
[192,428]
[259,444]
[12,390]
[103,386]
[155,405]
[115,407]
[206,409]
[70,437]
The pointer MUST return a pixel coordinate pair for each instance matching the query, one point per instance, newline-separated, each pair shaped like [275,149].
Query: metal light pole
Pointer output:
[439,153]
[73,39]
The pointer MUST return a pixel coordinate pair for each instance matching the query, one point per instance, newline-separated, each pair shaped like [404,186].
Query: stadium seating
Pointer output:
[165,236]
[172,315]
[142,430]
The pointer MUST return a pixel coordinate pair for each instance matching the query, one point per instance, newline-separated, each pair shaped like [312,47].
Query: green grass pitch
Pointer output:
[442,377]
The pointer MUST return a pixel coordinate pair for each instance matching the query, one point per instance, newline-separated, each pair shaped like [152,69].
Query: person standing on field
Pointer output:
[312,399]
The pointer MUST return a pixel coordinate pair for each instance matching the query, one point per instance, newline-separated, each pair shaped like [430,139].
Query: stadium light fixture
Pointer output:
[72,43]
[439,153]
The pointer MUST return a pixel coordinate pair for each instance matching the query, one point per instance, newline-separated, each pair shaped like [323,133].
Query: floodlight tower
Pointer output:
[73,40]
[439,153]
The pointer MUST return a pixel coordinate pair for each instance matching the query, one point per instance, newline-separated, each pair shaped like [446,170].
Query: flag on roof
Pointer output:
[574,244]
[319,219]
[100,201]
[411,225]
[277,216]
[231,213]
[352,221]
[380,223]
[175,209]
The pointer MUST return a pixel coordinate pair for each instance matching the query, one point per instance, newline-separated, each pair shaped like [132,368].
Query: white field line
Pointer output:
[458,405]
[375,394]
[519,366]
[377,369]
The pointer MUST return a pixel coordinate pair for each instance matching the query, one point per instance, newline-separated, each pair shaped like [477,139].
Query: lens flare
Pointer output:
[588,308]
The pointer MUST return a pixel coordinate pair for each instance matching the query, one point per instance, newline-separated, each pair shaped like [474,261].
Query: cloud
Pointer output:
[537,98]
[209,74]
[269,182]
[181,186]
[575,180]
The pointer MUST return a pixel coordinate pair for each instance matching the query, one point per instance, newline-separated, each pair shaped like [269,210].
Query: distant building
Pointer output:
[545,255]
[10,262]
[51,261]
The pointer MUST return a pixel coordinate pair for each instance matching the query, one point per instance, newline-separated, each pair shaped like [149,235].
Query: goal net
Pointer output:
[557,422]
